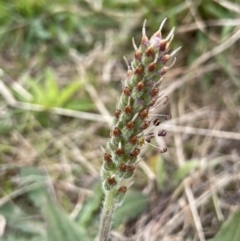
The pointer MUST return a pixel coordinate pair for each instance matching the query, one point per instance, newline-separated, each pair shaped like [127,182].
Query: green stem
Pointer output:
[106,215]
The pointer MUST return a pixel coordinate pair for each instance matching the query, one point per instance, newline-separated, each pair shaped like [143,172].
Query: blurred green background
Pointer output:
[61,70]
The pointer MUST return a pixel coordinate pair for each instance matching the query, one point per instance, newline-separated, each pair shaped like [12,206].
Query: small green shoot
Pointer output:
[48,94]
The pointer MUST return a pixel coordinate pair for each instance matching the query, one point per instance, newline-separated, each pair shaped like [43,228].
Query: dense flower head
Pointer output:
[132,122]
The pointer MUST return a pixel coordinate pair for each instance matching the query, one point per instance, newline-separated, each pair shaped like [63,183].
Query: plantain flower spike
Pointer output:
[132,120]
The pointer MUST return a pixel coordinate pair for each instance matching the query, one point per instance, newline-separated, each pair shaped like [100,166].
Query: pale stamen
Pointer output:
[171,34]
[175,51]
[162,24]
[144,28]
[134,44]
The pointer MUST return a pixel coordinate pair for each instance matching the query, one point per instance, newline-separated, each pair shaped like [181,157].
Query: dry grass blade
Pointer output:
[217,50]
[227,4]
[209,23]
[218,183]
[21,191]
[187,188]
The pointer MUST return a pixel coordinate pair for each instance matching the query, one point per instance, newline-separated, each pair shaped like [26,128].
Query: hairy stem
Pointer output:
[106,216]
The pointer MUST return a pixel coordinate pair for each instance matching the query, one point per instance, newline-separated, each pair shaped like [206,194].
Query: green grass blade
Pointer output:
[51,88]
[68,92]
[60,227]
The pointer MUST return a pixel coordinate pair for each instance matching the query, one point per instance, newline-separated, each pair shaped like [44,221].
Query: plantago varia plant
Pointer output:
[132,121]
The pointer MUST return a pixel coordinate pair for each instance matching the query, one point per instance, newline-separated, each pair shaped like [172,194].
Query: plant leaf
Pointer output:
[51,88]
[90,206]
[36,90]
[230,230]
[184,170]
[20,221]
[80,105]
[68,92]
[60,226]
[134,204]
